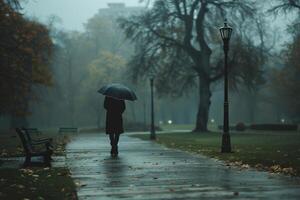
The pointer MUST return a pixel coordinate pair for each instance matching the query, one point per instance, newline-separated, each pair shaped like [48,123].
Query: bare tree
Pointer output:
[175,39]
[286,6]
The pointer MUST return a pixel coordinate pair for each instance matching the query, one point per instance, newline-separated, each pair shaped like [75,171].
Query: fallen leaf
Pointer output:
[21,186]
[77,184]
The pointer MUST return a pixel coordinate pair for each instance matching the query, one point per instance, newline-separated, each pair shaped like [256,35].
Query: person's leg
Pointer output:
[112,143]
[112,139]
[117,136]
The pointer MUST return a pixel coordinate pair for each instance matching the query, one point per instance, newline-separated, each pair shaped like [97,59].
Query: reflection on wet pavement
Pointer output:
[146,170]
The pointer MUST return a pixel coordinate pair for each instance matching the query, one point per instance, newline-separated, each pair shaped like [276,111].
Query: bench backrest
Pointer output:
[25,142]
[27,134]
[31,130]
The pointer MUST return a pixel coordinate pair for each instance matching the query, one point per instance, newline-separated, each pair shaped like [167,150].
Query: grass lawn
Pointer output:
[38,184]
[172,127]
[274,151]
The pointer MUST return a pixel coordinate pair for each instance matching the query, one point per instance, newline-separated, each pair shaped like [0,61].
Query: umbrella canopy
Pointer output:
[118,91]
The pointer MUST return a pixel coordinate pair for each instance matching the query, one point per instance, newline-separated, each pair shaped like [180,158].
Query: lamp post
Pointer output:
[152,129]
[225,32]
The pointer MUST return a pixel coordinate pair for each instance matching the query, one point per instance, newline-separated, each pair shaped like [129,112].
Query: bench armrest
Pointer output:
[47,143]
[43,140]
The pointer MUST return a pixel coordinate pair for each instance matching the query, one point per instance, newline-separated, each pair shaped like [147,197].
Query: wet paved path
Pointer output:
[146,170]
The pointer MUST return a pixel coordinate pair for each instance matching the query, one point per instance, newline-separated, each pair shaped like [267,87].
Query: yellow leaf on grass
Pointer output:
[21,186]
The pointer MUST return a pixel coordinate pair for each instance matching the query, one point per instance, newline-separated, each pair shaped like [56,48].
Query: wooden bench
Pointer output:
[32,131]
[28,133]
[68,130]
[30,149]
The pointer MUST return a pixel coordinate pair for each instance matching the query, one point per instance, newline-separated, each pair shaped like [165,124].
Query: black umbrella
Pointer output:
[118,91]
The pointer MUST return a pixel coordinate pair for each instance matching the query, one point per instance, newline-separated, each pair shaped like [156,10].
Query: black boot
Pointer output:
[112,143]
[117,136]
[112,151]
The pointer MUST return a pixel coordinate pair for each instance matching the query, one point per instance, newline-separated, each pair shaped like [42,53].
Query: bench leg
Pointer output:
[27,161]
[47,158]
[49,146]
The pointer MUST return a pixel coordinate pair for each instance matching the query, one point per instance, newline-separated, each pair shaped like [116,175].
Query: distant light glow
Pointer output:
[161,122]
[212,120]
[170,121]
[282,120]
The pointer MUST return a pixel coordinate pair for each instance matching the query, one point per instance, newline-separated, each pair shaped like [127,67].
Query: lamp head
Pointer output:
[225,31]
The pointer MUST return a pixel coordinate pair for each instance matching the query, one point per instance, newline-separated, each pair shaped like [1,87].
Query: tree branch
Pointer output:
[200,29]
[175,42]
[289,4]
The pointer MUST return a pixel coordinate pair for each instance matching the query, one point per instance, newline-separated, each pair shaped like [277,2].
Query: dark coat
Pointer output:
[114,109]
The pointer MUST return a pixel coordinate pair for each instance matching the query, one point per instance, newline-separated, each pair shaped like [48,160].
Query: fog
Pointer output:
[90,50]
[73,14]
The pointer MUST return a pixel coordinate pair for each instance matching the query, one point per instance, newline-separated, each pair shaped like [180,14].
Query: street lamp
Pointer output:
[225,32]
[152,130]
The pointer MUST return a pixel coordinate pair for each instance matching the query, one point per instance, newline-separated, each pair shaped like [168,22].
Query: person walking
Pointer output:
[114,122]
[114,103]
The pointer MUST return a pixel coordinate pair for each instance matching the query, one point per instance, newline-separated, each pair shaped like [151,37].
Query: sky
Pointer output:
[72,12]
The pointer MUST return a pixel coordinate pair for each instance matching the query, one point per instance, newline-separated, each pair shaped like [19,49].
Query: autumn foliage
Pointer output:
[25,51]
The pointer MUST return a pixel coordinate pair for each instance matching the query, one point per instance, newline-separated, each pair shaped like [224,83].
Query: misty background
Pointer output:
[90,50]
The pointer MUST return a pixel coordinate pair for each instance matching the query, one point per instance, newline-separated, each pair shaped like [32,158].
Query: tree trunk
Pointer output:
[204,104]
[99,118]
[133,114]
[252,105]
[18,121]
[99,113]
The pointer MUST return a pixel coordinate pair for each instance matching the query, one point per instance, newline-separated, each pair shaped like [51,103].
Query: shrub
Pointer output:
[274,127]
[240,126]
[230,127]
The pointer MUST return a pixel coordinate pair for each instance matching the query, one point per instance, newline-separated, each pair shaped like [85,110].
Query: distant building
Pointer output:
[116,10]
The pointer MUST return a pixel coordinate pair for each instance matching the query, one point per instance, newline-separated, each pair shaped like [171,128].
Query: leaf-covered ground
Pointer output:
[277,152]
[36,184]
